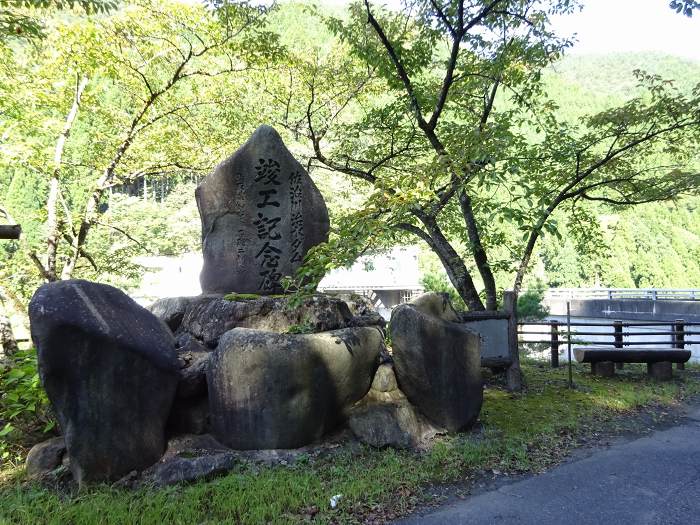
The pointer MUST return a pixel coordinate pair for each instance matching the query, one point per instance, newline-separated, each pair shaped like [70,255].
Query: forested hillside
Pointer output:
[652,245]
[128,170]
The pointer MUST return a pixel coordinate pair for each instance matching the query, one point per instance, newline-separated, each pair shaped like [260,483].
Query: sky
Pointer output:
[605,26]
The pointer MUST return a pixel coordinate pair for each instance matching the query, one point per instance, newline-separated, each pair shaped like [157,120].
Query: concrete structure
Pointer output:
[626,303]
[388,279]
[630,309]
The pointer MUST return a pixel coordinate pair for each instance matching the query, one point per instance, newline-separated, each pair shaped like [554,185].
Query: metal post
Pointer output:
[617,326]
[679,339]
[568,341]
[555,344]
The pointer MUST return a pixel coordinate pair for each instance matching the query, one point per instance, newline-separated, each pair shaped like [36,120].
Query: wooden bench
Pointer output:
[658,360]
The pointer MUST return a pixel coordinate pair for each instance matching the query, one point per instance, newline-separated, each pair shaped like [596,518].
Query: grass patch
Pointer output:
[519,433]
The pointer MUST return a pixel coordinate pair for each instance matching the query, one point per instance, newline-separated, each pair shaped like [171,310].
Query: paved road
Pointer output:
[652,480]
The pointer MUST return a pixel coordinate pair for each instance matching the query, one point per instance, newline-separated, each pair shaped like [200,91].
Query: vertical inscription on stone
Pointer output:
[267,174]
[240,208]
[260,214]
[297,218]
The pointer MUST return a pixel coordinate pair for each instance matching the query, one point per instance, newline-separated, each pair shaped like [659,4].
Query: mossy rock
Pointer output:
[241,296]
[251,296]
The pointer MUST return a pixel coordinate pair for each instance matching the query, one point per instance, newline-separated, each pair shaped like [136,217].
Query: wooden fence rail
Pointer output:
[679,336]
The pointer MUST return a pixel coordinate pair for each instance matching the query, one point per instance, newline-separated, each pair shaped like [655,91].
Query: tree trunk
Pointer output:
[480,257]
[514,375]
[53,223]
[454,265]
[7,336]
[79,240]
[93,202]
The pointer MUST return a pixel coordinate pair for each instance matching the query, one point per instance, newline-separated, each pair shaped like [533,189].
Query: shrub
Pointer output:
[24,408]
[530,307]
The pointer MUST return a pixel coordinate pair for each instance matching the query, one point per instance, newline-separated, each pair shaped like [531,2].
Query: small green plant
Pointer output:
[24,407]
[301,328]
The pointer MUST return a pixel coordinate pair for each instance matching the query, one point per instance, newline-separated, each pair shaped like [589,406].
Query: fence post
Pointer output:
[679,339]
[514,375]
[555,344]
[617,326]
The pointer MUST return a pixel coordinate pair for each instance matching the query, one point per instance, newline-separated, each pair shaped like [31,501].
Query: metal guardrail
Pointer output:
[653,294]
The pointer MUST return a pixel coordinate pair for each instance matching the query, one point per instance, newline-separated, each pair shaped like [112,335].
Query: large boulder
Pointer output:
[110,371]
[385,418]
[438,363]
[171,310]
[208,317]
[269,390]
[261,213]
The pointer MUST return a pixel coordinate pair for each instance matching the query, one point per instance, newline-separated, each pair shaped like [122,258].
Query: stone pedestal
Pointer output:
[603,369]
[662,371]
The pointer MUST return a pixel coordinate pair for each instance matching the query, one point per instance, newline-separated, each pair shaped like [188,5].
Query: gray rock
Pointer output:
[390,424]
[270,390]
[260,213]
[438,365]
[385,418]
[436,304]
[358,304]
[188,469]
[190,411]
[171,310]
[194,359]
[193,445]
[110,371]
[385,379]
[209,317]
[189,416]
[371,319]
[45,457]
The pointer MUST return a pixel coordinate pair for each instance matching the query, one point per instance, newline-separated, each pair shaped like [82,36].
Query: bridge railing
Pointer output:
[653,294]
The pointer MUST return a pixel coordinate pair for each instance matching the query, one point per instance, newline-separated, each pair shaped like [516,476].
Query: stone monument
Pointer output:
[165,395]
[260,213]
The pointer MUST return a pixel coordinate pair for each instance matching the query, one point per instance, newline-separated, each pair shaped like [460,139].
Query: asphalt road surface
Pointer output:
[651,480]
